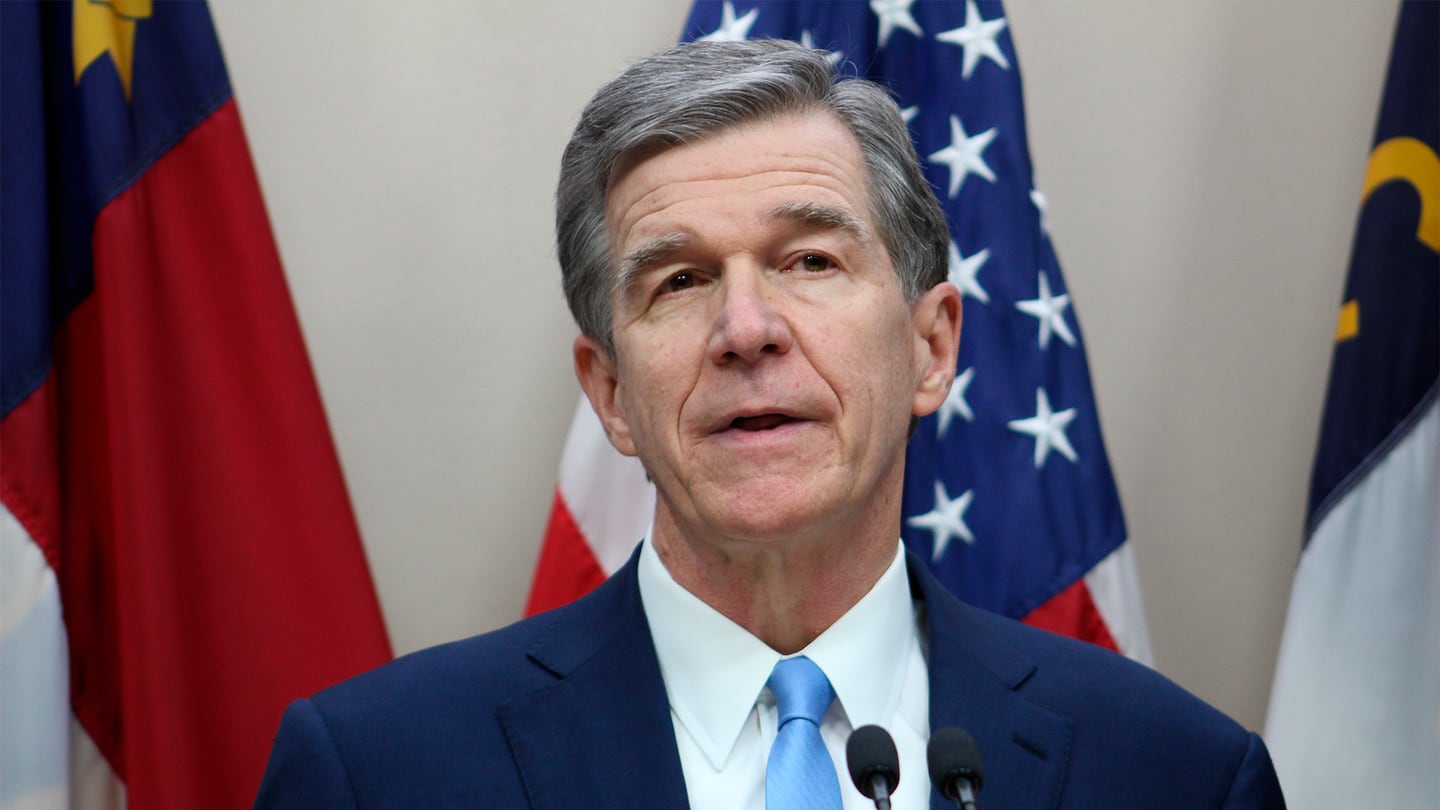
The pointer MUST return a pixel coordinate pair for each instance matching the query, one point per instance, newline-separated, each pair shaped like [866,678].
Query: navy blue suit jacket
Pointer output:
[568,710]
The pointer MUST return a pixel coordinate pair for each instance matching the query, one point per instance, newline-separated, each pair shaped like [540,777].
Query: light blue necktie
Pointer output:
[799,774]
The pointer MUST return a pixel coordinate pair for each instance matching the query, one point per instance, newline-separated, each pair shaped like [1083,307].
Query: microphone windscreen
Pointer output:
[870,752]
[952,754]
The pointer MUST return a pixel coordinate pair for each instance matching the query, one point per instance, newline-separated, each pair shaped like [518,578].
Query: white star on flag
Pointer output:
[1050,311]
[965,272]
[909,113]
[964,155]
[832,57]
[894,14]
[945,520]
[732,29]
[955,404]
[1048,428]
[1038,198]
[977,39]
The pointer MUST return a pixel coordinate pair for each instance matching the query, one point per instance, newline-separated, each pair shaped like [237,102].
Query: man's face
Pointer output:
[766,361]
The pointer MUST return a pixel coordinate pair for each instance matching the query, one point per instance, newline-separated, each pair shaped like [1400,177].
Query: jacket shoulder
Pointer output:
[426,729]
[1081,679]
[1118,732]
[458,687]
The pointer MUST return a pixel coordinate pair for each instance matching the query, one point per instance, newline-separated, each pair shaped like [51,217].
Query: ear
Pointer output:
[596,371]
[936,317]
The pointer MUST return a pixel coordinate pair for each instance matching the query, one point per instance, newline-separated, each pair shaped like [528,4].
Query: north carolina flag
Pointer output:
[1355,710]
[1008,492]
[177,552]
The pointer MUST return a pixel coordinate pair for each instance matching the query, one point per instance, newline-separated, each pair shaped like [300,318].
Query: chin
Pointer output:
[764,513]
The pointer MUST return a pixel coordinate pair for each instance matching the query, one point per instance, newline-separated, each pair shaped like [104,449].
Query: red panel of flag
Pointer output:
[164,445]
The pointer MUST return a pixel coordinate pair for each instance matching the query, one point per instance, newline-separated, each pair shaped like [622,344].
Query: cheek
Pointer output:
[652,394]
[873,343]
[877,369]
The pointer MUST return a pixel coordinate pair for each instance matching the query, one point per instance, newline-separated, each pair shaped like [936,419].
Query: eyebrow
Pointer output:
[659,250]
[824,217]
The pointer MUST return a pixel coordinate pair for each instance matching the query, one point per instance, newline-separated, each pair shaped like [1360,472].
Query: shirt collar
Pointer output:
[714,670]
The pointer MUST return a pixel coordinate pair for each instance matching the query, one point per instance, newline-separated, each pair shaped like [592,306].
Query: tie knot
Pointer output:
[801,690]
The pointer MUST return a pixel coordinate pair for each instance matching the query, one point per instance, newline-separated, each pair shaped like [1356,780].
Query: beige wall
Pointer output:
[1202,160]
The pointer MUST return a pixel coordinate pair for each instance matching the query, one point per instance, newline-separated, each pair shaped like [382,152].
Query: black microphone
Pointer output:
[874,765]
[955,767]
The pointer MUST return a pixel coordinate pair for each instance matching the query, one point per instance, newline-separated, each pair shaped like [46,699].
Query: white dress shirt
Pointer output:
[724,716]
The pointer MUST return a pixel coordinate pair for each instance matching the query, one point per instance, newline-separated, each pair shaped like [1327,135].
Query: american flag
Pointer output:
[1008,492]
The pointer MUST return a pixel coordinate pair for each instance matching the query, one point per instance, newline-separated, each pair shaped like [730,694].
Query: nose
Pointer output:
[749,324]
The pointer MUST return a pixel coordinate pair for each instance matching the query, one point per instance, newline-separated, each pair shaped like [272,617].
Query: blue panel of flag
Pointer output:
[72,144]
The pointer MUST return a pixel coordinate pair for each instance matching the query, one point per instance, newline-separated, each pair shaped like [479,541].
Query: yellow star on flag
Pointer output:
[108,26]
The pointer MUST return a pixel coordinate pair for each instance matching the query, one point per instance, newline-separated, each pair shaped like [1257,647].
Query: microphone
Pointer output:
[955,767]
[874,764]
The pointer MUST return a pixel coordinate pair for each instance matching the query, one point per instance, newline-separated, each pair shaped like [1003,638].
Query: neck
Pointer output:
[785,592]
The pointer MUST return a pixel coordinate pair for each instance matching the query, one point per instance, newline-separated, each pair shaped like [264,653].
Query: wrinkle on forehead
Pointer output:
[660,196]
[823,154]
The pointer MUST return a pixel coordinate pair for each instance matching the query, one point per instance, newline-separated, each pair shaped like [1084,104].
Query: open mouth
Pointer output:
[766,421]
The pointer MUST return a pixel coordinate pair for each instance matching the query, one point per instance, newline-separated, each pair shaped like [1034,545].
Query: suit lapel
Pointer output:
[976,676]
[601,734]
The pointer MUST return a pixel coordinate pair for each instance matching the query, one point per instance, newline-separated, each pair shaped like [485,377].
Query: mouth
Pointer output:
[764,421]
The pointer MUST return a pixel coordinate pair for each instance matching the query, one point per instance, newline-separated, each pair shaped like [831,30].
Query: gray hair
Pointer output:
[683,94]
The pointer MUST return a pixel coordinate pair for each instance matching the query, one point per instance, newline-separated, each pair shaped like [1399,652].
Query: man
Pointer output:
[757,268]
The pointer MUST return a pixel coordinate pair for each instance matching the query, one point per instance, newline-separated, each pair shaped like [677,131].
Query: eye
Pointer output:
[683,280]
[813,263]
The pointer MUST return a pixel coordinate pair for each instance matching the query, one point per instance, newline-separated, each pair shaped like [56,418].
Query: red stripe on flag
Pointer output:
[1072,612]
[210,566]
[29,478]
[567,569]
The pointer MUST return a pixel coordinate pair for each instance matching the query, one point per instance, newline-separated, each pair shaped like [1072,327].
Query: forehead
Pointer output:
[802,158]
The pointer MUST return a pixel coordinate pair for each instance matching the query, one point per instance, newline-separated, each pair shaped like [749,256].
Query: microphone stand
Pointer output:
[882,792]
